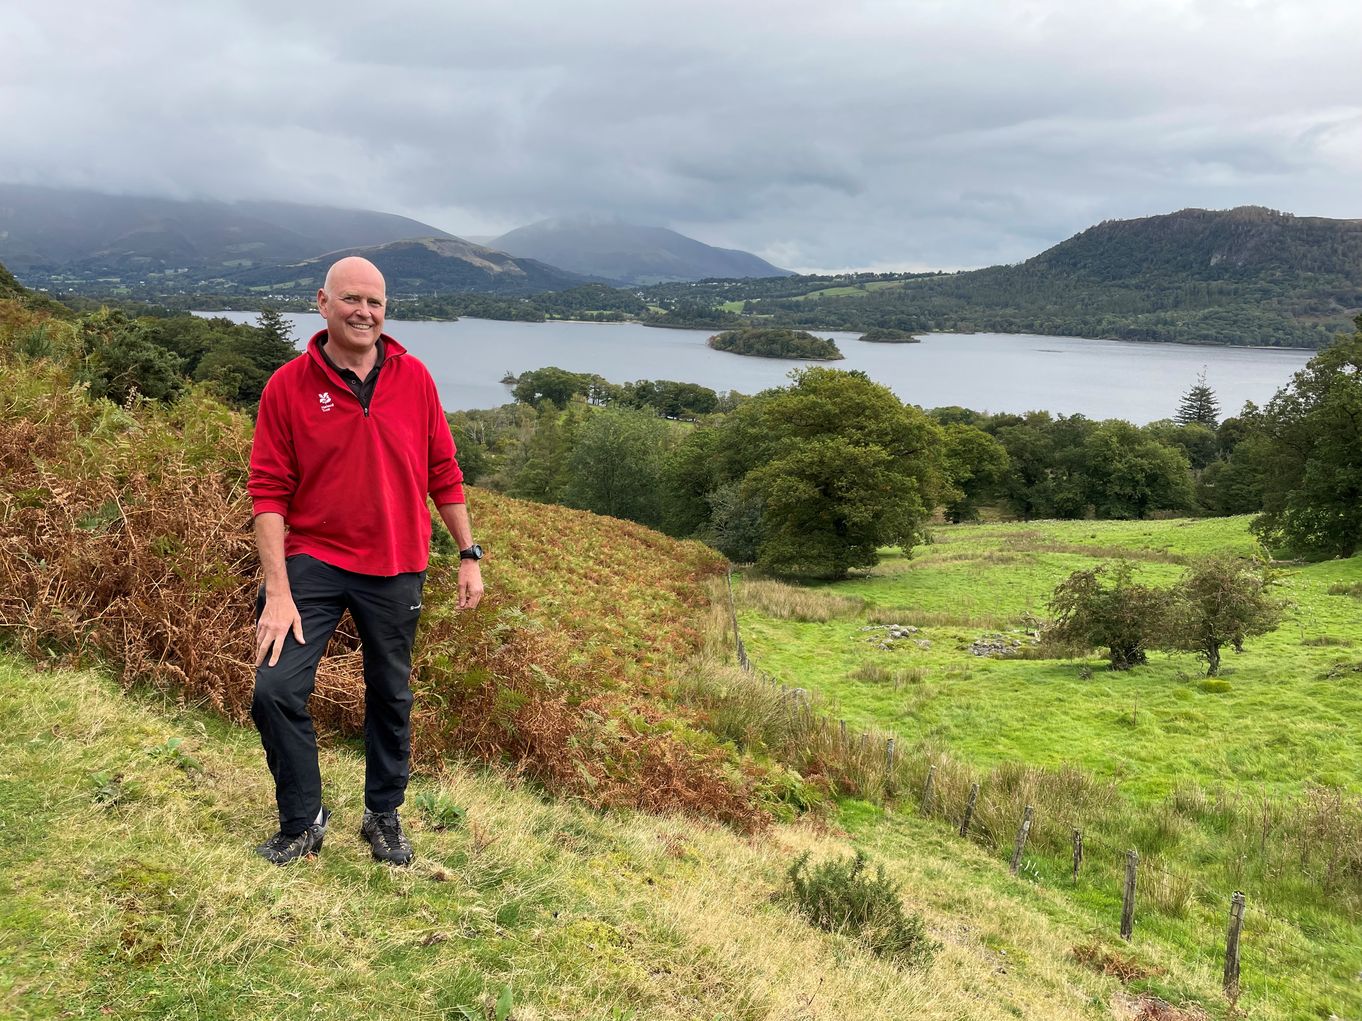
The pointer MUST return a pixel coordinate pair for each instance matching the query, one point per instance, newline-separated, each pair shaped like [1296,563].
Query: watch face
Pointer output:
[473,552]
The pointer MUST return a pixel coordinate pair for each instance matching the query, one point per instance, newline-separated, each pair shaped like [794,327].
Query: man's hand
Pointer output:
[280,617]
[470,584]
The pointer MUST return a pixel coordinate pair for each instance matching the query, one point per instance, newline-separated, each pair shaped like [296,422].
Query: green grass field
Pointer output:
[1282,732]
[850,291]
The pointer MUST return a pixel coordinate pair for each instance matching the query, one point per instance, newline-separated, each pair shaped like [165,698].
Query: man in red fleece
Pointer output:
[350,440]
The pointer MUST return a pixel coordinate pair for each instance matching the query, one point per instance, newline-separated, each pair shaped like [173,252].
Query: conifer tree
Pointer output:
[1199,404]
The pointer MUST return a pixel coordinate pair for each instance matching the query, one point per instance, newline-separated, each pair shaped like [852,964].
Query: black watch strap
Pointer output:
[473,552]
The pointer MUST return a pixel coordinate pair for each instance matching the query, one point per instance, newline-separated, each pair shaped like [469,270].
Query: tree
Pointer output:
[828,505]
[1045,478]
[1103,606]
[553,384]
[276,328]
[975,463]
[1312,476]
[1198,442]
[1128,474]
[735,522]
[1199,404]
[544,472]
[840,466]
[616,465]
[690,474]
[1221,601]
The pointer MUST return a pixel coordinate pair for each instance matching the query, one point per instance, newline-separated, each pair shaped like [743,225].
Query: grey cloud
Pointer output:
[922,134]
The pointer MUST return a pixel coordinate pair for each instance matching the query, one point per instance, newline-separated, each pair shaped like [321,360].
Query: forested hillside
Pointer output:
[1246,276]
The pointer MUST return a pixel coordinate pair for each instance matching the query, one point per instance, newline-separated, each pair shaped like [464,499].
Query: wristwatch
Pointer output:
[473,552]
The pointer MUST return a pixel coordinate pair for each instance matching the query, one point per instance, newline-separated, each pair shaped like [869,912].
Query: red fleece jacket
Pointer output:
[352,487]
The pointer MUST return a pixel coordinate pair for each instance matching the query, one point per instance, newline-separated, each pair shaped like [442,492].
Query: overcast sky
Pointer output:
[820,135]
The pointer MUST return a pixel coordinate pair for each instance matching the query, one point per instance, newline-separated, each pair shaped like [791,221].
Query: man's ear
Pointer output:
[321,300]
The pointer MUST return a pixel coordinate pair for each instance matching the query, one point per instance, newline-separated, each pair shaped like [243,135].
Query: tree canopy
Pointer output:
[1312,458]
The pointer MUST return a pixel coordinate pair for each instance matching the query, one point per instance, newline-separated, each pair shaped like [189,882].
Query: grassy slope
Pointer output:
[1289,719]
[129,891]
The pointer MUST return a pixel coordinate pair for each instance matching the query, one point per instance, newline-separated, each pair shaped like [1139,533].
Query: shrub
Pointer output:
[840,896]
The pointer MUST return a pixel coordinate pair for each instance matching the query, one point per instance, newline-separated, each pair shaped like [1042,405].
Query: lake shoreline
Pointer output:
[1139,381]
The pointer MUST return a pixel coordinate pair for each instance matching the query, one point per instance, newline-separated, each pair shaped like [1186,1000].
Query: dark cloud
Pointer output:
[924,134]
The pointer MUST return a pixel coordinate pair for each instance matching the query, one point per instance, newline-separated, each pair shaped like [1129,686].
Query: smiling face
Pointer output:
[352,302]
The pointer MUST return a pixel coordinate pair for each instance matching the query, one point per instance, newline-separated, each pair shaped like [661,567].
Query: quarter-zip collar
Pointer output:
[316,349]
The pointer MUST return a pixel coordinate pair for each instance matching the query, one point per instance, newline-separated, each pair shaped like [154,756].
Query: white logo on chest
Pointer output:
[324,399]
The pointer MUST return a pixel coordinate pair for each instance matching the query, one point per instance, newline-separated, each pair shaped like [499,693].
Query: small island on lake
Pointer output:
[885,335]
[772,342]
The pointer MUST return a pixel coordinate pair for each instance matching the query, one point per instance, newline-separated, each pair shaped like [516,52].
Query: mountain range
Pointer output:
[65,239]
[628,253]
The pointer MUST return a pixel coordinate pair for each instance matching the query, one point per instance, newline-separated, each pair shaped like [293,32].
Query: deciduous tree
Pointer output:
[1221,601]
[1312,478]
[1104,606]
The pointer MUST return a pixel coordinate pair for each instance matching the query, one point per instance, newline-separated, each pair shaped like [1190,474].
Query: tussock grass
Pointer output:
[1327,641]
[1346,588]
[883,673]
[793,602]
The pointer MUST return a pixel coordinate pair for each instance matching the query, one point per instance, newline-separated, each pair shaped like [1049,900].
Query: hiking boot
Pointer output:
[383,830]
[281,849]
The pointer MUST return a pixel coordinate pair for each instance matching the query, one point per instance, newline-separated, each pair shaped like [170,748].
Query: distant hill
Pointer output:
[1245,276]
[1211,246]
[422,266]
[69,239]
[627,253]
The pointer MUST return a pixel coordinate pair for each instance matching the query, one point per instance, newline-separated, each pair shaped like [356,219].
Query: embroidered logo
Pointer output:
[324,398]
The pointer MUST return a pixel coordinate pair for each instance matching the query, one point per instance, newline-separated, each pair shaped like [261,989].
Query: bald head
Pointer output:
[353,269]
[353,302]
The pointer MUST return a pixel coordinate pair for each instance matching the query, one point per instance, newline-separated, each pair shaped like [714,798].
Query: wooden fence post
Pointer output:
[1078,852]
[969,809]
[1232,946]
[1021,840]
[889,755]
[743,661]
[842,732]
[927,791]
[1128,901]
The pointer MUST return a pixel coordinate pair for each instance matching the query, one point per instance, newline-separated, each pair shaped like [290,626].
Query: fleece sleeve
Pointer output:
[444,479]
[273,475]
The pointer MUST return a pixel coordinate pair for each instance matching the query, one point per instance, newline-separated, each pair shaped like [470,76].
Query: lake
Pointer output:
[984,371]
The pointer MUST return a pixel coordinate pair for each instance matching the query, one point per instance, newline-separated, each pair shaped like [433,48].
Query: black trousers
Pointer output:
[385,611]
